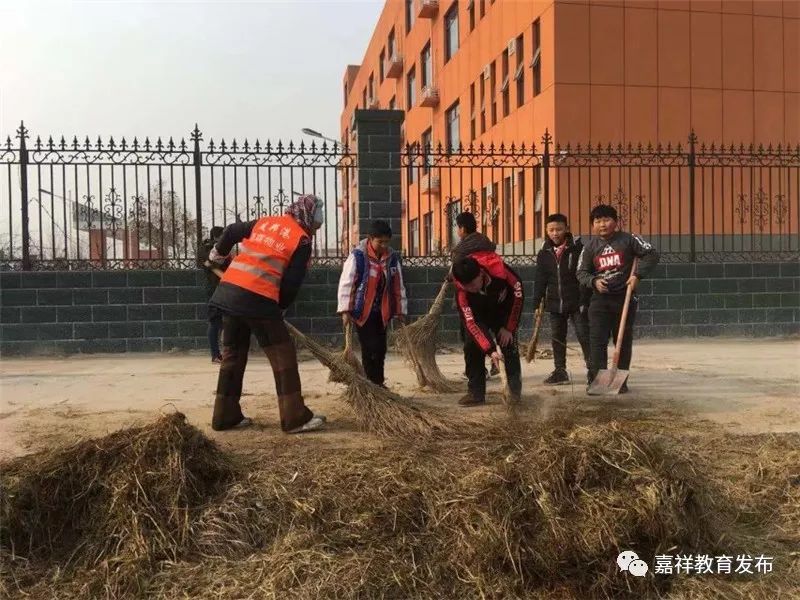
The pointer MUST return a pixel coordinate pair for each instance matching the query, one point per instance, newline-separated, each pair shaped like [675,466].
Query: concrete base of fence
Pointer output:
[158,311]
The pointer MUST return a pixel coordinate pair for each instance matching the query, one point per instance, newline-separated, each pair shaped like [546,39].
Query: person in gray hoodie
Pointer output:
[606,266]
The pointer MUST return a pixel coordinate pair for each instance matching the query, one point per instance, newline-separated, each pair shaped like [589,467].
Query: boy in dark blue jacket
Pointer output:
[565,299]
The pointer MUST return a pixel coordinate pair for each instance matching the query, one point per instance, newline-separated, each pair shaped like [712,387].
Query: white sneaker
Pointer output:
[245,422]
[316,422]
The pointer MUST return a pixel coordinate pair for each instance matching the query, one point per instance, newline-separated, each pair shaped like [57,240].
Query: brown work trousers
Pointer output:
[275,341]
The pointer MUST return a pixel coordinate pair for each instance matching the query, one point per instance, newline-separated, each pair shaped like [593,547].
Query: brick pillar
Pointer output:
[379,194]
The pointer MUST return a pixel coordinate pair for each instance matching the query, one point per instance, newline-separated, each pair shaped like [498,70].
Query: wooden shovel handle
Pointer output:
[621,332]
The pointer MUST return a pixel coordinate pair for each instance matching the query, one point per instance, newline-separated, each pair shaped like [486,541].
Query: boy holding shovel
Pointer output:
[606,265]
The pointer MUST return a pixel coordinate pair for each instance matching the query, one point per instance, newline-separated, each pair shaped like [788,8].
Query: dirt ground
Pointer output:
[737,386]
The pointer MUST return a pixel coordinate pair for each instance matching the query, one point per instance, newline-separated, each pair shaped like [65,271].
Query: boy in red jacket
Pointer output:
[489,297]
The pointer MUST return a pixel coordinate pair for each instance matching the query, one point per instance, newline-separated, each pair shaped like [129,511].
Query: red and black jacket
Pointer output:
[498,305]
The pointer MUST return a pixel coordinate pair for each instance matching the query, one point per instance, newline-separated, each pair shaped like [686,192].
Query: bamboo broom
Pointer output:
[377,409]
[417,343]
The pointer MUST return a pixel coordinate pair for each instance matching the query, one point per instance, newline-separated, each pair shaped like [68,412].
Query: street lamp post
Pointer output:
[317,134]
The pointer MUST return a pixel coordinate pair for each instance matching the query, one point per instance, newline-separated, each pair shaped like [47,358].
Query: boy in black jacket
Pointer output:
[212,280]
[565,299]
[606,266]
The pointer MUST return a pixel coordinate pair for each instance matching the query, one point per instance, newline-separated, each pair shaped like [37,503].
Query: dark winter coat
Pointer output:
[556,279]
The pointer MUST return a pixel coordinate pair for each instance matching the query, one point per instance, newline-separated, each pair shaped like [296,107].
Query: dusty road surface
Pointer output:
[739,386]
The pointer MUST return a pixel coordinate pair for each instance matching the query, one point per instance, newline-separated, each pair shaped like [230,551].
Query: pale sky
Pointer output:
[239,69]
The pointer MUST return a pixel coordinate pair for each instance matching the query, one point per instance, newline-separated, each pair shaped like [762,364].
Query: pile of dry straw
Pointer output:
[533,512]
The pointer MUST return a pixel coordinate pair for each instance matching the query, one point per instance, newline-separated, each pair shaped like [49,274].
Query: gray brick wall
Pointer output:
[103,311]
[156,311]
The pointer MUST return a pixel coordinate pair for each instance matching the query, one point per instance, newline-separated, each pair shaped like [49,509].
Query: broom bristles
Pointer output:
[417,343]
[378,410]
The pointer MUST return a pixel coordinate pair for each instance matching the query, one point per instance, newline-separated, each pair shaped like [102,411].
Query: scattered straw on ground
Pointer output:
[518,512]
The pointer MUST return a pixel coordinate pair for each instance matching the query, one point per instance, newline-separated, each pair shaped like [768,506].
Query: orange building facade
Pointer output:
[472,72]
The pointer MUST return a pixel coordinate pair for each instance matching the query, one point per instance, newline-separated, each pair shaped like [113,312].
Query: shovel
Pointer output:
[609,381]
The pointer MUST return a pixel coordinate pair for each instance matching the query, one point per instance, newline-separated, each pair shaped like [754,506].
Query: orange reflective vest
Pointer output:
[264,256]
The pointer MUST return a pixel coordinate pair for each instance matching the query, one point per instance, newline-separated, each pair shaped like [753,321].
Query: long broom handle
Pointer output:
[215,270]
[348,336]
[530,354]
[621,332]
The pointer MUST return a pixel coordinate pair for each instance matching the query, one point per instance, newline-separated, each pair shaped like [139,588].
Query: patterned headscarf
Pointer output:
[307,210]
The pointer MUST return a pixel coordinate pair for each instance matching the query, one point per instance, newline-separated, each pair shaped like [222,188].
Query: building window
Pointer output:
[451,124]
[495,214]
[425,143]
[492,89]
[472,127]
[390,45]
[413,166]
[482,83]
[536,63]
[471,9]
[451,32]
[538,197]
[508,211]
[482,8]
[411,89]
[413,233]
[371,87]
[409,15]
[364,98]
[381,64]
[428,227]
[392,103]
[504,87]
[519,75]
[453,210]
[425,65]
[521,204]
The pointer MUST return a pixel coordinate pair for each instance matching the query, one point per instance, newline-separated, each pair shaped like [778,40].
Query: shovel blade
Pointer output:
[608,381]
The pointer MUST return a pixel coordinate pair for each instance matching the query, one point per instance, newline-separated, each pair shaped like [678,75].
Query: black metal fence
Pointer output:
[112,205]
[695,203]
